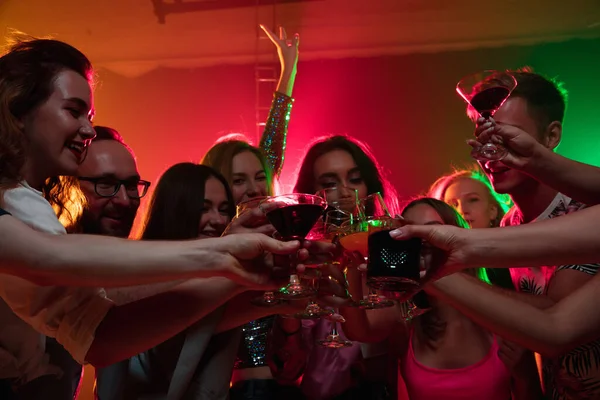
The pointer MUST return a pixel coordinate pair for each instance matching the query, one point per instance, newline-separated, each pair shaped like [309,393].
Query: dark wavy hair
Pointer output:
[370,170]
[220,157]
[27,74]
[175,208]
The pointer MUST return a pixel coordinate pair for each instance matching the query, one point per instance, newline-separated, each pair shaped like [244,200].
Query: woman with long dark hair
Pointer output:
[443,354]
[342,161]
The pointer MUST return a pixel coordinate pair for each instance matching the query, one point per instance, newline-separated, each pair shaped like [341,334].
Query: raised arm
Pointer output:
[273,140]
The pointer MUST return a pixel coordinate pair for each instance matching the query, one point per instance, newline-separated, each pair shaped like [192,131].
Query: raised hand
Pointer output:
[287,50]
[251,221]
[522,147]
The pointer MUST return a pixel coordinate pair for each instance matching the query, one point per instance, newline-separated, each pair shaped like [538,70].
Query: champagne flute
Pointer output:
[485,92]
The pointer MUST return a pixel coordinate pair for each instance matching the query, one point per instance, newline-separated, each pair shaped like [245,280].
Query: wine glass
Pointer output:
[268,299]
[323,231]
[249,204]
[293,216]
[354,238]
[485,92]
[333,339]
[341,198]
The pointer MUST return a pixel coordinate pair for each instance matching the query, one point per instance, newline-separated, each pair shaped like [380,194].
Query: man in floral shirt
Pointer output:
[535,110]
[536,107]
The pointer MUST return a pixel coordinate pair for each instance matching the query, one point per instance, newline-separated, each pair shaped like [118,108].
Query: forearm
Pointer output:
[287,79]
[124,295]
[577,180]
[533,245]
[100,261]
[135,327]
[511,315]
[274,138]
[239,311]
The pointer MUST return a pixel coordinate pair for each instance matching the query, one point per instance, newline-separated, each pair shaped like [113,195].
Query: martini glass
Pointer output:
[485,92]
[354,237]
[293,216]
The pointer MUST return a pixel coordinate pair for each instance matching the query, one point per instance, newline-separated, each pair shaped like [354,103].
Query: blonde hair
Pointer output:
[440,186]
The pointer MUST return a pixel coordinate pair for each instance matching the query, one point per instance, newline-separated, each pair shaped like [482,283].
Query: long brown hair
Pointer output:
[175,208]
[432,326]
[27,73]
[220,157]
[370,170]
[440,186]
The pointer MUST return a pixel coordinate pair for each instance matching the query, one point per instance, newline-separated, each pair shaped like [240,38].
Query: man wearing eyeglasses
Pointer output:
[110,180]
[111,183]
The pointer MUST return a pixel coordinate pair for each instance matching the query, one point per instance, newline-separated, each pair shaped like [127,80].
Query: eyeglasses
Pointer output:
[108,187]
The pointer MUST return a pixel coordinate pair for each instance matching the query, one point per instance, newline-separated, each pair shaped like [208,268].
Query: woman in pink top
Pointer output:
[443,354]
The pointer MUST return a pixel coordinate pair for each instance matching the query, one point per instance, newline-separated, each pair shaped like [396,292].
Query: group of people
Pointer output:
[170,315]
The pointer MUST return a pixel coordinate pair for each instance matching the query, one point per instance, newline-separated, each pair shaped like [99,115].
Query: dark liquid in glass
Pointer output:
[489,100]
[393,264]
[294,221]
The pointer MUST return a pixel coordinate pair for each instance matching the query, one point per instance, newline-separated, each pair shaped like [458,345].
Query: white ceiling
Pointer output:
[125,36]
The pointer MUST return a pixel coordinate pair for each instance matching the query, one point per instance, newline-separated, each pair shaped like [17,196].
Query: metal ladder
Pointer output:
[265,72]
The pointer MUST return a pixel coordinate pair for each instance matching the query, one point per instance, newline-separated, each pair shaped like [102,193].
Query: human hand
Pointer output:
[251,221]
[523,148]
[287,50]
[247,258]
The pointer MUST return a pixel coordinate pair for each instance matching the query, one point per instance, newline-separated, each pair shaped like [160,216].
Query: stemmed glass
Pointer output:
[333,339]
[293,216]
[342,199]
[268,298]
[354,238]
[485,92]
[323,231]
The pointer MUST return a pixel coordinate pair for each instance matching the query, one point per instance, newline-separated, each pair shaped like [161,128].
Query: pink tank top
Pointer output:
[487,379]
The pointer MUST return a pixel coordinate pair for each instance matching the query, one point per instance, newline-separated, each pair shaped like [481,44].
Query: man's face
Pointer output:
[513,112]
[111,216]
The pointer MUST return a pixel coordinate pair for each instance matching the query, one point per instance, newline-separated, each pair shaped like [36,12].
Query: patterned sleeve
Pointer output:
[273,140]
[590,269]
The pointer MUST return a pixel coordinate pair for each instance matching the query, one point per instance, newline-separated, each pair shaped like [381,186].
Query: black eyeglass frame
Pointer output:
[118,183]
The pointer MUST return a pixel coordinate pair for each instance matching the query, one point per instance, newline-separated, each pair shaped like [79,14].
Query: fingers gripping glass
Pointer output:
[293,216]
[354,238]
[107,187]
[485,92]
[268,299]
